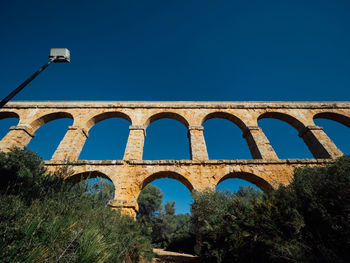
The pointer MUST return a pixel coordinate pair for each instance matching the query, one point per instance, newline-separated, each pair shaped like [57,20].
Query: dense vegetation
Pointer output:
[307,221]
[173,231]
[43,219]
[46,219]
[169,230]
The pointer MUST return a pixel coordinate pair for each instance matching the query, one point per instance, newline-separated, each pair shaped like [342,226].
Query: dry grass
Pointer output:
[163,256]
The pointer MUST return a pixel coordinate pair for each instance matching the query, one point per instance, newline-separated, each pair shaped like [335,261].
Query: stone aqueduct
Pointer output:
[132,174]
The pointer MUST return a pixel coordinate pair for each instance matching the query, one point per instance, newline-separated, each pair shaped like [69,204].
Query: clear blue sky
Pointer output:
[179,50]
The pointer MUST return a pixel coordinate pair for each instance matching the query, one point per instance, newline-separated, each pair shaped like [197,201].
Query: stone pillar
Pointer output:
[136,140]
[127,207]
[198,147]
[71,145]
[320,145]
[259,145]
[18,136]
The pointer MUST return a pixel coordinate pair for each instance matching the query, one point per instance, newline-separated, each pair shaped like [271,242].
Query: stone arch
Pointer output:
[107,115]
[169,115]
[345,120]
[227,116]
[167,174]
[284,117]
[8,114]
[240,124]
[78,177]
[309,139]
[49,117]
[250,177]
[181,135]
[5,129]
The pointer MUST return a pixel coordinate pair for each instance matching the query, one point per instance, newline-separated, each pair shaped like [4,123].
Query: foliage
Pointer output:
[169,230]
[220,220]
[43,219]
[323,199]
[150,204]
[23,174]
[246,194]
[307,221]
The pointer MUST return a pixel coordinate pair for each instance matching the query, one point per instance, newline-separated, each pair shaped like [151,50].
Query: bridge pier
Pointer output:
[319,143]
[258,143]
[71,145]
[136,140]
[126,207]
[198,148]
[18,136]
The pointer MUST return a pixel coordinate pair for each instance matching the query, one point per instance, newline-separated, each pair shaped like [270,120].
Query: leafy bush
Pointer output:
[323,199]
[221,220]
[44,219]
[150,205]
[307,221]
[168,229]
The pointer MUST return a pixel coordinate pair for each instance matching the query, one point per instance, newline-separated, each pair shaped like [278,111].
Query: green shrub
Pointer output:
[43,219]
[307,221]
[221,220]
[168,229]
[323,199]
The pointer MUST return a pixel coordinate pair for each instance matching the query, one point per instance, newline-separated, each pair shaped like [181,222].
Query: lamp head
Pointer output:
[60,55]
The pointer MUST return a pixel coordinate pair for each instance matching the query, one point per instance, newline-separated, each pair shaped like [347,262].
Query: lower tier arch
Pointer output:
[78,177]
[249,177]
[129,178]
[167,174]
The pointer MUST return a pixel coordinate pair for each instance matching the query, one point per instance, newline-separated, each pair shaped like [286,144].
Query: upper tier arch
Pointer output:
[8,114]
[345,120]
[106,115]
[283,117]
[169,115]
[228,116]
[36,124]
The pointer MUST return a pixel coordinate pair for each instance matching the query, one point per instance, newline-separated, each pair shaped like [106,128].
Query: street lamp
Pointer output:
[57,55]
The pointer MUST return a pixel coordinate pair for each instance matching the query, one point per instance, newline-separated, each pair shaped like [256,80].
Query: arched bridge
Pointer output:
[132,174]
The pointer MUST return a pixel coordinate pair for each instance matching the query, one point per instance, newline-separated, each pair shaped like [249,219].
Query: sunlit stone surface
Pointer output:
[130,175]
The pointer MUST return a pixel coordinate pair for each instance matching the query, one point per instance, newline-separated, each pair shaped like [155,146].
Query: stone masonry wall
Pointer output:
[132,173]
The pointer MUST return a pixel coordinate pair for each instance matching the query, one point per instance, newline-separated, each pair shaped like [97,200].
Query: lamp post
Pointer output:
[57,55]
